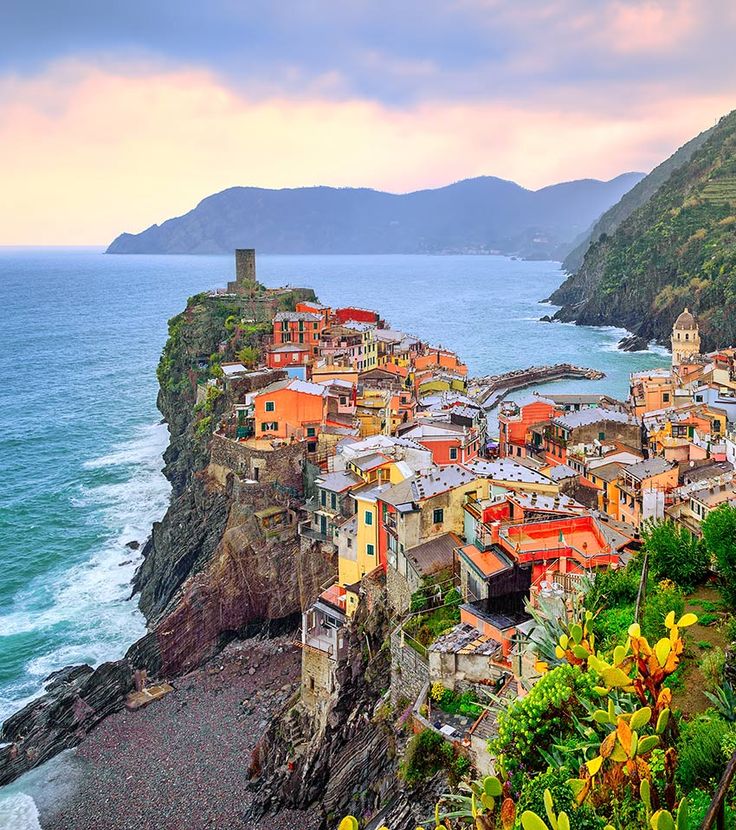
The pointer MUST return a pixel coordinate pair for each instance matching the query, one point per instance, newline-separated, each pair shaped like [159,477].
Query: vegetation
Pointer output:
[455,703]
[674,553]
[677,248]
[719,534]
[426,754]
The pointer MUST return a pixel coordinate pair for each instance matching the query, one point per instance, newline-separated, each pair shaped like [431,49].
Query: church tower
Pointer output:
[685,339]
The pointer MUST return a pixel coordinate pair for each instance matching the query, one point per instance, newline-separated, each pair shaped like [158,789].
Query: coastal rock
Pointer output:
[633,343]
[133,545]
[77,700]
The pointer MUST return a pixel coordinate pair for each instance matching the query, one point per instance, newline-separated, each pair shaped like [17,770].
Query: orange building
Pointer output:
[301,328]
[515,418]
[290,409]
[288,355]
[442,358]
[650,391]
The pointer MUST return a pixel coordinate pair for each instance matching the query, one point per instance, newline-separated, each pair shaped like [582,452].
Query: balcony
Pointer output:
[308,532]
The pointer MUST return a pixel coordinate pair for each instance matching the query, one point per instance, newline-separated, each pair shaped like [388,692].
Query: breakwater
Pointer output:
[489,390]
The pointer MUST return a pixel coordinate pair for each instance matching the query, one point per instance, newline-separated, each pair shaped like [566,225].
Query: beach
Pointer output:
[182,762]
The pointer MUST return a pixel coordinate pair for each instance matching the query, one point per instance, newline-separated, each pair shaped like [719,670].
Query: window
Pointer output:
[310,432]
[314,326]
[369,517]
[269,426]
[311,446]
[270,406]
[369,549]
[323,498]
[453,453]
[301,338]
[601,436]
[333,501]
[665,397]
[438,516]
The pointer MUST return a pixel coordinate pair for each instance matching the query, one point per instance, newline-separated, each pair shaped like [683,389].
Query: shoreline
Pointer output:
[181,762]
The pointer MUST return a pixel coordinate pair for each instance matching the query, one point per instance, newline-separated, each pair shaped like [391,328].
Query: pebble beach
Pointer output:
[181,763]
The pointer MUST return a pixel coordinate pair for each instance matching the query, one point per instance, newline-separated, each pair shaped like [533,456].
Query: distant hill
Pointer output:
[478,215]
[677,248]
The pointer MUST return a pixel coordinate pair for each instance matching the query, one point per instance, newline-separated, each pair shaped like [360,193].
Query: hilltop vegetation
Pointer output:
[678,248]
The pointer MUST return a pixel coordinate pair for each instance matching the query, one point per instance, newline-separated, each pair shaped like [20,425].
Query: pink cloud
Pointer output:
[87,152]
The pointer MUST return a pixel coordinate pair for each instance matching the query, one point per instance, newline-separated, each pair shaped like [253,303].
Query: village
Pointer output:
[380,448]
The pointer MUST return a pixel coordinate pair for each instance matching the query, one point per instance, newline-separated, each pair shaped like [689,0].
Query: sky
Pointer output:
[116,116]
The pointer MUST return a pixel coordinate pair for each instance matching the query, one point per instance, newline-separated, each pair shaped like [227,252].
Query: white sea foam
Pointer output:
[89,601]
[18,812]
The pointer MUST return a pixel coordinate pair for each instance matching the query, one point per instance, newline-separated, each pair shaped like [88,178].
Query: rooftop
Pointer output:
[649,467]
[464,639]
[504,469]
[585,417]
[435,555]
[488,562]
[338,482]
[295,316]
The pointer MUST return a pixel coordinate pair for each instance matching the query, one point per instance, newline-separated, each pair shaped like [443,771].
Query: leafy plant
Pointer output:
[700,759]
[719,535]
[674,553]
[724,699]
[711,667]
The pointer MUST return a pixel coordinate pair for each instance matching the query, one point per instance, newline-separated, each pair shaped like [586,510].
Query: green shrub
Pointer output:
[674,553]
[711,667]
[418,602]
[700,758]
[203,427]
[542,718]
[613,588]
[423,757]
[708,618]
[719,535]
[666,597]
[453,597]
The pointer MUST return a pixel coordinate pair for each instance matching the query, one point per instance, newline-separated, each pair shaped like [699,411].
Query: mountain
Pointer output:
[675,249]
[633,199]
[475,215]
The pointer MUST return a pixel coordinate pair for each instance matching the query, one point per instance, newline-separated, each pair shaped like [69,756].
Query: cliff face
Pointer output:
[211,571]
[342,758]
[676,249]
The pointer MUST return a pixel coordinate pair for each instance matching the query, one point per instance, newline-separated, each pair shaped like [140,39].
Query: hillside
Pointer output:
[631,201]
[676,249]
[475,215]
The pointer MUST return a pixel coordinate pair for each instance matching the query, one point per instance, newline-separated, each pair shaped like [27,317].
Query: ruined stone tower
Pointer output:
[245,272]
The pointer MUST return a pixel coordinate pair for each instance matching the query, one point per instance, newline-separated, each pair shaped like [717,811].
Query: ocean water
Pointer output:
[80,438]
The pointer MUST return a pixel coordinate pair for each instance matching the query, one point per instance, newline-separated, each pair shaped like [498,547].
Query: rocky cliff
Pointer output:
[342,756]
[676,249]
[211,571]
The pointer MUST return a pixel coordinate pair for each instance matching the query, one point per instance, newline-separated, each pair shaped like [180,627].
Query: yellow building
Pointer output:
[685,339]
[357,539]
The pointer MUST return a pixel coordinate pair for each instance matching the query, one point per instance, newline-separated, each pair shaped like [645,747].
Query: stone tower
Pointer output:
[245,272]
[685,339]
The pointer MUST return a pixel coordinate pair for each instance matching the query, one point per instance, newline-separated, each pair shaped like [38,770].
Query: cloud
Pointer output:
[87,151]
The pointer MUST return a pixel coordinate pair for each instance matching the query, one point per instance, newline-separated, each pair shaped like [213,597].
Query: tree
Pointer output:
[674,553]
[719,534]
[248,356]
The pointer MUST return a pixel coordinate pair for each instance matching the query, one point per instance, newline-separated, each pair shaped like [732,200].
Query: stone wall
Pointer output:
[409,670]
[398,591]
[281,467]
[318,677]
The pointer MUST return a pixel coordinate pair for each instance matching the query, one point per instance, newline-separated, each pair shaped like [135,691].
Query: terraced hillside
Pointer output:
[677,249]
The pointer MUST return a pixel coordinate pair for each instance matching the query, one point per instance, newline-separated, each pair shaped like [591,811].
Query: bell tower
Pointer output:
[685,339]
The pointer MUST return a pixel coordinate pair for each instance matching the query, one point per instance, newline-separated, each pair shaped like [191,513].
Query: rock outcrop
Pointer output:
[77,699]
[342,758]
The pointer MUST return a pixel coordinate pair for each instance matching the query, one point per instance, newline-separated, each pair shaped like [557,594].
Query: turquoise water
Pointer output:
[80,444]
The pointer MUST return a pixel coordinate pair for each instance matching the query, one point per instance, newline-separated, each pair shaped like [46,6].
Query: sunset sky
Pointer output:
[114,116]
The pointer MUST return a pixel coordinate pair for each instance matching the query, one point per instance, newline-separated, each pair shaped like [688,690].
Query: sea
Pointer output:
[81,438]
